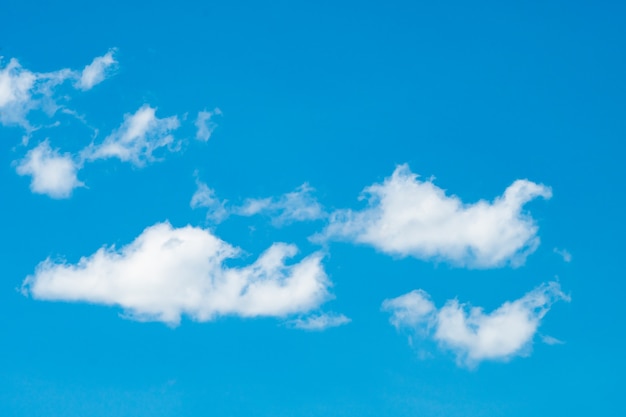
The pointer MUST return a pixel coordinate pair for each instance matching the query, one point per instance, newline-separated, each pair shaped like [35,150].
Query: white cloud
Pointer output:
[410,309]
[52,173]
[253,206]
[96,72]
[15,93]
[469,332]
[298,205]
[549,340]
[319,322]
[137,138]
[409,217]
[563,253]
[204,125]
[22,91]
[205,197]
[168,272]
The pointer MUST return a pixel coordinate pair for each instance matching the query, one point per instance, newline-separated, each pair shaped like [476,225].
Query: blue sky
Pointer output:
[313,209]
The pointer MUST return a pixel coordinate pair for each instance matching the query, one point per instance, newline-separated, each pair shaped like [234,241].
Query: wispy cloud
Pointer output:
[563,253]
[205,125]
[409,217]
[135,141]
[53,173]
[549,340]
[319,322]
[205,197]
[22,91]
[141,133]
[469,332]
[296,206]
[168,272]
[96,72]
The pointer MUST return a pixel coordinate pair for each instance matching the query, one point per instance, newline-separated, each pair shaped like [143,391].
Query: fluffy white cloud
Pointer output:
[298,205]
[469,332]
[22,91]
[96,72]
[319,322]
[137,138]
[410,310]
[167,272]
[204,125]
[409,217]
[205,197]
[52,173]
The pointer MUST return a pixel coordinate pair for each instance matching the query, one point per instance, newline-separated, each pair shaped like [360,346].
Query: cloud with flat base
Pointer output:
[168,272]
[409,217]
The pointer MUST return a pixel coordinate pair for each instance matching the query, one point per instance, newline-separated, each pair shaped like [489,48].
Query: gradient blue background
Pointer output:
[335,94]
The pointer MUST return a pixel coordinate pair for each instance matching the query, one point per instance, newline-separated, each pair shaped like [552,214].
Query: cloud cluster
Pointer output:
[136,140]
[564,253]
[22,90]
[409,217]
[469,332]
[168,272]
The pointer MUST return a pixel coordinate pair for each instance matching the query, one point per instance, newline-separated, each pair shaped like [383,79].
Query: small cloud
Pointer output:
[16,100]
[205,197]
[319,322]
[567,257]
[411,309]
[96,72]
[470,333]
[204,125]
[549,340]
[22,91]
[135,141]
[296,206]
[254,206]
[53,173]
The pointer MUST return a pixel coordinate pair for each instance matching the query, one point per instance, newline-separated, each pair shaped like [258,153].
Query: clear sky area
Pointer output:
[312,208]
